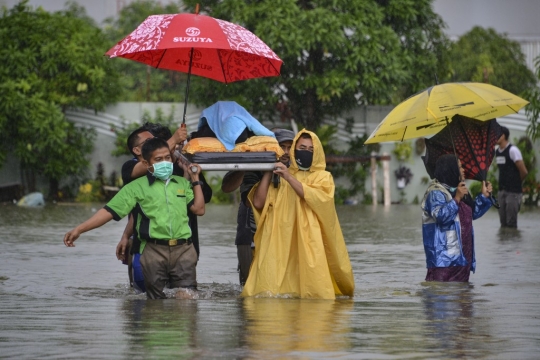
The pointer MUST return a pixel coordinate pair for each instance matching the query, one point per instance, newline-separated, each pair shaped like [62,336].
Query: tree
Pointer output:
[533,109]
[337,55]
[483,55]
[123,133]
[50,62]
[142,82]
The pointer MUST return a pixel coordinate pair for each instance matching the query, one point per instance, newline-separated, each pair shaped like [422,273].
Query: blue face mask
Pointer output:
[163,170]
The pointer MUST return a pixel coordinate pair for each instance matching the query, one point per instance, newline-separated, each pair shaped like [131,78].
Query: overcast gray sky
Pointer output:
[518,18]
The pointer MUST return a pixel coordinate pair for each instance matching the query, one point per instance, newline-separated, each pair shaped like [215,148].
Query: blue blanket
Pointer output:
[228,120]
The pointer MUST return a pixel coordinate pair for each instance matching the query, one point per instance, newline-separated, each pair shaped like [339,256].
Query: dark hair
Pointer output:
[158,130]
[447,170]
[505,132]
[133,138]
[152,145]
[305,136]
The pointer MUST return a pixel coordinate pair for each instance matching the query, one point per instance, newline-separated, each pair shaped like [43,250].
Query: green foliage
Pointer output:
[475,188]
[368,199]
[403,150]
[341,194]
[402,197]
[325,134]
[483,55]
[142,82]
[95,191]
[531,187]
[355,172]
[50,62]
[91,191]
[127,128]
[337,55]
[218,196]
[533,109]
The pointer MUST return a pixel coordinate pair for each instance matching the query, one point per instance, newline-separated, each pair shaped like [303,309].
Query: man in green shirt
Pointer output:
[167,254]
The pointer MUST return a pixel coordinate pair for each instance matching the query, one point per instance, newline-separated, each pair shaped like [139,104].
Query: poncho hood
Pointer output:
[319,160]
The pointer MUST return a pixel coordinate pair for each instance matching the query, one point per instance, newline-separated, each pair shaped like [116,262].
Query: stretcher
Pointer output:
[230,161]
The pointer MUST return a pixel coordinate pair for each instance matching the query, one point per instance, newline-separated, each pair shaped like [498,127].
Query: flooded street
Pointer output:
[64,303]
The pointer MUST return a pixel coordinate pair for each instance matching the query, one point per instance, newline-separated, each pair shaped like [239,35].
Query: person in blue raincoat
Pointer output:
[447,231]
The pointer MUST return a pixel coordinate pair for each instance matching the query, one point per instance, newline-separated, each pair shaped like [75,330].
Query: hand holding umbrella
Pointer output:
[461,191]
[200,45]
[472,141]
[486,188]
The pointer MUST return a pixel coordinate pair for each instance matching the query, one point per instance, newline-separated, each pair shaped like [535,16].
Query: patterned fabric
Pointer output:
[458,273]
[220,50]
[473,142]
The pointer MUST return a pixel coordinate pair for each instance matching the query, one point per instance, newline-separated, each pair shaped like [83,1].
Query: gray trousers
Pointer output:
[510,205]
[175,265]
[245,256]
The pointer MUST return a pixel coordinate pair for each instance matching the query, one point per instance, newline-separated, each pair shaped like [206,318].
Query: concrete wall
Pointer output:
[119,115]
[366,120]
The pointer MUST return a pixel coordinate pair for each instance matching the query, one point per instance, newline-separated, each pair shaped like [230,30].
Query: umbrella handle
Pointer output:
[494,201]
[183,125]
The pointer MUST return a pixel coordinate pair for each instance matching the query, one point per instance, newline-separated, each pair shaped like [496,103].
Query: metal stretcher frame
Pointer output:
[229,161]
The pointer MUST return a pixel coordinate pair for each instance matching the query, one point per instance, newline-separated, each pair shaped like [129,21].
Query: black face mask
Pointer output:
[303,158]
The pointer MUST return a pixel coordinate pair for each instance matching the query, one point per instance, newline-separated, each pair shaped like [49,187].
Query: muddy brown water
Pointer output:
[64,303]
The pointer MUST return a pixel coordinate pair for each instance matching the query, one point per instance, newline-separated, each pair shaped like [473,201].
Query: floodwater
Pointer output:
[65,303]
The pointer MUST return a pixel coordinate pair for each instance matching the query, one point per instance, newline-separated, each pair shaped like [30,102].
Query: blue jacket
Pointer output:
[441,227]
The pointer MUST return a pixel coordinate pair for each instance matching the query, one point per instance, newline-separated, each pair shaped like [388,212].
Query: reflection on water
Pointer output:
[450,318]
[59,302]
[161,329]
[509,234]
[297,326]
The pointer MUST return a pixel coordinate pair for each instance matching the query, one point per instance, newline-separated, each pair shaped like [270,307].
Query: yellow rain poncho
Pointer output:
[299,246]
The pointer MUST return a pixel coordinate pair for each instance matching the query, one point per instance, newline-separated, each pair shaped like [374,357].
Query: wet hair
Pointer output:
[158,130]
[447,170]
[152,145]
[505,132]
[305,136]
[133,138]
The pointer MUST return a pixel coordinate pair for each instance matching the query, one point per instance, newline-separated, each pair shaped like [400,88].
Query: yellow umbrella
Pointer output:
[427,112]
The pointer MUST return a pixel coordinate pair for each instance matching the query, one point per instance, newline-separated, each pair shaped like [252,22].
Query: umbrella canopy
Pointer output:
[427,112]
[222,51]
[199,45]
[472,141]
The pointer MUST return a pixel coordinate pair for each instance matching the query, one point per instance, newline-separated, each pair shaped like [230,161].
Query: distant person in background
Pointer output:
[512,172]
[447,228]
[245,223]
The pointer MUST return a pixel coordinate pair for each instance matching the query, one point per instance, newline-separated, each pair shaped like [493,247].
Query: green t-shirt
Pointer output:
[162,207]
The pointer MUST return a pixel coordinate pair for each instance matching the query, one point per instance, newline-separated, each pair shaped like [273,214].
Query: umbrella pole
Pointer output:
[187,88]
[451,137]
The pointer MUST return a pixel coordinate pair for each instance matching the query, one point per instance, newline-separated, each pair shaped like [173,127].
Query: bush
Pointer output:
[218,196]
[90,192]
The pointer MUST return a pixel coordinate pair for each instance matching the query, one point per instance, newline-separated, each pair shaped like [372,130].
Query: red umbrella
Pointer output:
[472,141]
[198,44]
